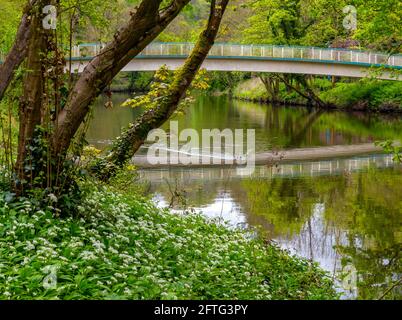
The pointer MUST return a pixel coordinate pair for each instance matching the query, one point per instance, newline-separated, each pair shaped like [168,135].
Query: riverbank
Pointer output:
[364,95]
[121,246]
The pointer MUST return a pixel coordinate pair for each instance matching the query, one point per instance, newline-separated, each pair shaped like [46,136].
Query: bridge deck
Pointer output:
[255,58]
[238,51]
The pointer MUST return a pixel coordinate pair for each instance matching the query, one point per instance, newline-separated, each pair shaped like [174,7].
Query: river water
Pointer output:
[345,214]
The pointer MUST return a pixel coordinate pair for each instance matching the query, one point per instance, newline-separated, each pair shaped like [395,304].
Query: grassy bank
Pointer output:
[375,95]
[254,90]
[122,247]
[364,95]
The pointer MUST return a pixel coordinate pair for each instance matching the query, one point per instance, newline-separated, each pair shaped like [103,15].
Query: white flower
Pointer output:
[26,261]
[52,197]
[29,246]
[112,250]
[87,255]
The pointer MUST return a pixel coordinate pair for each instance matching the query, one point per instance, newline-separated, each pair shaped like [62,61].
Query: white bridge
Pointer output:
[258,58]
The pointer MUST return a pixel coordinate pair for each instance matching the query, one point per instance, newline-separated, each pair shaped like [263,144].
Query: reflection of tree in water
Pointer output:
[301,133]
[372,214]
[358,213]
[284,203]
[184,195]
[378,269]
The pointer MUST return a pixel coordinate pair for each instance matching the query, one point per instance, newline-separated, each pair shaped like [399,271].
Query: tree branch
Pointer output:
[18,52]
[135,136]
[144,26]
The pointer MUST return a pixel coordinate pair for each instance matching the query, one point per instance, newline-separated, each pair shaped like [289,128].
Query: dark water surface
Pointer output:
[345,214]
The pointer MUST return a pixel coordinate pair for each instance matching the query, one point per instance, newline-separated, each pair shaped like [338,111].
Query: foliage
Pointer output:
[390,147]
[298,22]
[320,23]
[94,20]
[10,13]
[140,81]
[160,88]
[64,197]
[379,24]
[188,25]
[364,94]
[225,81]
[373,94]
[122,247]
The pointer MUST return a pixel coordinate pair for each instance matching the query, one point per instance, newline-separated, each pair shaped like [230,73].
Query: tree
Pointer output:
[160,111]
[148,22]
[49,121]
[42,109]
[289,22]
[379,25]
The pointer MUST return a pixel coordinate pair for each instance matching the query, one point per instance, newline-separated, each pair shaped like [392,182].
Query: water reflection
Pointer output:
[287,127]
[352,217]
[343,213]
[107,123]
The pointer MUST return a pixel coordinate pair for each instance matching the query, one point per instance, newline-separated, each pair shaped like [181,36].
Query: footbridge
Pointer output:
[257,58]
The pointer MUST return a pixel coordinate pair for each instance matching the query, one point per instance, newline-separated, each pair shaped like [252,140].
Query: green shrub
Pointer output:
[252,89]
[373,93]
[389,92]
[369,94]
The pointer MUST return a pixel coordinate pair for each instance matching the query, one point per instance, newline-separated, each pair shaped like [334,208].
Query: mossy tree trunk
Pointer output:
[143,27]
[146,23]
[303,89]
[134,137]
[271,84]
[31,103]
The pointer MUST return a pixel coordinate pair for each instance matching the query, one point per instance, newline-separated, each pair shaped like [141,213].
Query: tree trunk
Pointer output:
[134,137]
[144,26]
[271,84]
[30,110]
[309,93]
[18,52]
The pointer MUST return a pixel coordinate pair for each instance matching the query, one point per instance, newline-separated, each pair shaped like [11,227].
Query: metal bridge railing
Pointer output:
[257,51]
[88,50]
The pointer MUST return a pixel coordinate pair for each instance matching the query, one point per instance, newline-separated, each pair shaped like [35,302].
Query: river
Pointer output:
[345,214]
